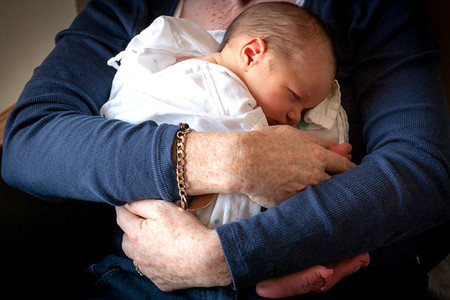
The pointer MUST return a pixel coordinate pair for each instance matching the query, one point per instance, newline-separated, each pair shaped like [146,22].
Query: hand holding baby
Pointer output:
[305,160]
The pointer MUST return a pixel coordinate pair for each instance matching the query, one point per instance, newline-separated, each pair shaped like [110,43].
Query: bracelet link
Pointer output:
[181,154]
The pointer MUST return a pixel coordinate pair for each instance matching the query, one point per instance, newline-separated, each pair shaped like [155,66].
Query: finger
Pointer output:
[149,209]
[141,208]
[127,247]
[336,163]
[343,149]
[322,177]
[127,220]
[338,155]
[317,140]
[299,283]
[365,259]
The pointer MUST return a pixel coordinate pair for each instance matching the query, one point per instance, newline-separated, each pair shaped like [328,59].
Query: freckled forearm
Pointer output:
[212,162]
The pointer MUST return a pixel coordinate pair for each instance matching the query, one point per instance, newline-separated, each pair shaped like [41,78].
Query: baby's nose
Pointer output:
[293,116]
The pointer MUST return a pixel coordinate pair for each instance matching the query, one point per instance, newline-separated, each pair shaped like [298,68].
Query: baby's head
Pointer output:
[285,57]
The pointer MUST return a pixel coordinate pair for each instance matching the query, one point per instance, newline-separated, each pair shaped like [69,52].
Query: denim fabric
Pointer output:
[115,278]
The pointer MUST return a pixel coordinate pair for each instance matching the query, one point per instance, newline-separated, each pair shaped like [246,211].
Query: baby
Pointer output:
[275,66]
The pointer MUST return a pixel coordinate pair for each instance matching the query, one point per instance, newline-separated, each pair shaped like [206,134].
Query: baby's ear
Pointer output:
[251,52]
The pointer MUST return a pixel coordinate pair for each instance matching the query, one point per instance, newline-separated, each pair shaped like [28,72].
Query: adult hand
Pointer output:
[301,282]
[171,246]
[282,161]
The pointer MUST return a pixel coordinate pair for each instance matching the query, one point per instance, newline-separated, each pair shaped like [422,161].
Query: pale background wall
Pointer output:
[27,33]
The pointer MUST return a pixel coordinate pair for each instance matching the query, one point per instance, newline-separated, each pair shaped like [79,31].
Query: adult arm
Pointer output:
[56,146]
[391,86]
[390,83]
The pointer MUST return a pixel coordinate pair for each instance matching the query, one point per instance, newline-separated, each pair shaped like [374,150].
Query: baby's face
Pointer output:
[287,88]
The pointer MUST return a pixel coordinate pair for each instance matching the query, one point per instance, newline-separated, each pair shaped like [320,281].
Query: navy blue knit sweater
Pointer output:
[56,146]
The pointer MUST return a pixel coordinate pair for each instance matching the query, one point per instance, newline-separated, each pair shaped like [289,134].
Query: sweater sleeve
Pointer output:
[55,144]
[399,122]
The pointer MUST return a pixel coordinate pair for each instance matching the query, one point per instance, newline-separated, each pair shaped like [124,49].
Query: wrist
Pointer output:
[215,260]
[213,162]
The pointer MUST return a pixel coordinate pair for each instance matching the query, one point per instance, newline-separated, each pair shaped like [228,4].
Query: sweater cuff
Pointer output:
[161,161]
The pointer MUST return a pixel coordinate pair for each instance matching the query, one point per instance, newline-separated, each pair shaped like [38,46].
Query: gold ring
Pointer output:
[136,266]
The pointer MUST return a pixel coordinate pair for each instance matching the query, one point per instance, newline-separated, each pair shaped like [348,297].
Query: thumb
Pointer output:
[148,209]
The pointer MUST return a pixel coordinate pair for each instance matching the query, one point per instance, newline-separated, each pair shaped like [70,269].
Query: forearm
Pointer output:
[212,162]
[391,88]
[57,147]
[70,163]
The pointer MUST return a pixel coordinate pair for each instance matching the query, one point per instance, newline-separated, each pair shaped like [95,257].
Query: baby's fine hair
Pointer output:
[284,27]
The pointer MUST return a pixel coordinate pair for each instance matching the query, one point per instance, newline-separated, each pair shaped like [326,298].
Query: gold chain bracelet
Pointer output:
[181,146]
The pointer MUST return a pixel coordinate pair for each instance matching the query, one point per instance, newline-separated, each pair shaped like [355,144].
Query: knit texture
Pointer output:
[57,147]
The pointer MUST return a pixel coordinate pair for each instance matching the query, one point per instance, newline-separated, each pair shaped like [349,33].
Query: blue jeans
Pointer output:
[115,278]
[387,277]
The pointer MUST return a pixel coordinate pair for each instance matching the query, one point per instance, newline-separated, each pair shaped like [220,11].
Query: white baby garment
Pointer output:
[150,86]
